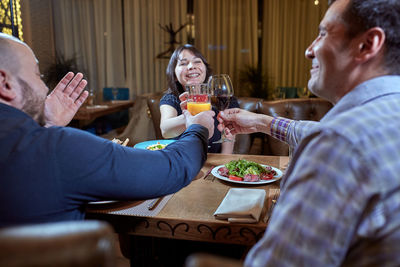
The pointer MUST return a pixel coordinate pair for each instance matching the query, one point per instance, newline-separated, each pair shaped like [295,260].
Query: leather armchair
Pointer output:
[153,103]
[74,243]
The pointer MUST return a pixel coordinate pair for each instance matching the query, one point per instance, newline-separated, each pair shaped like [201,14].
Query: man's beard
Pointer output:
[32,104]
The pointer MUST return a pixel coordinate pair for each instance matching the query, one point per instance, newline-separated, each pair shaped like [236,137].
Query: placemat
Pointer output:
[134,208]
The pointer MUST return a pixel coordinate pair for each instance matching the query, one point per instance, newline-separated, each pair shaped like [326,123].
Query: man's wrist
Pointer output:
[263,123]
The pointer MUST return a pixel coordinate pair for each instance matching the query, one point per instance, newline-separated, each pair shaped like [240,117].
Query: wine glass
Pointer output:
[279,93]
[303,92]
[114,91]
[221,93]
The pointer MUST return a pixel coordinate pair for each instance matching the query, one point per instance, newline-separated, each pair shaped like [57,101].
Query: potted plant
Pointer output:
[255,82]
[59,69]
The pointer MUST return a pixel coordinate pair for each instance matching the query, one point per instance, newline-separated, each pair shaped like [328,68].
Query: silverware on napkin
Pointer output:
[153,204]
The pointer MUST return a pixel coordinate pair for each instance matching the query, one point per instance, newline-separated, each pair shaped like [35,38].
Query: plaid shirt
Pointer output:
[340,197]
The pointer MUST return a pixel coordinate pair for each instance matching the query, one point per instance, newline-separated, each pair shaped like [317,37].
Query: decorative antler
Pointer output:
[172,40]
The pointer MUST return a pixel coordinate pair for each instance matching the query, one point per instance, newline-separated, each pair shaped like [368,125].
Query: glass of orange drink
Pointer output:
[198,98]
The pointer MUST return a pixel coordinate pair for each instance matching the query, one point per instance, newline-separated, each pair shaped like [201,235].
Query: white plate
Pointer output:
[276,177]
[145,144]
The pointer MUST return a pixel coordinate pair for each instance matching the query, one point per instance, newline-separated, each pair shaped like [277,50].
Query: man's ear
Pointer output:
[371,44]
[7,94]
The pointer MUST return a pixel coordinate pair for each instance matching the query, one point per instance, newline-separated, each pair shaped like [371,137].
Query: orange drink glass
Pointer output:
[198,98]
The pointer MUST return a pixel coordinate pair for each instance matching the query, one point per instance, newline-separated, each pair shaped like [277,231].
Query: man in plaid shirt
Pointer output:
[340,197]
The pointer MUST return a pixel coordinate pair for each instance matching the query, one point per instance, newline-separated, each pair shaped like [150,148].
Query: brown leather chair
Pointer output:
[75,243]
[250,103]
[298,109]
[153,103]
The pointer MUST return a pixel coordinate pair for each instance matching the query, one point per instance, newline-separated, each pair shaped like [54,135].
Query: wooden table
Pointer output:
[93,112]
[189,213]
[87,114]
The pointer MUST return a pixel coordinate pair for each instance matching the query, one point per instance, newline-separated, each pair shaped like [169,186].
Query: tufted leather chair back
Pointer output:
[298,109]
[249,103]
[153,102]
[73,243]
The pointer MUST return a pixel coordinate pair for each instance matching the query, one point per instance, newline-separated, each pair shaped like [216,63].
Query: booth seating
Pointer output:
[297,109]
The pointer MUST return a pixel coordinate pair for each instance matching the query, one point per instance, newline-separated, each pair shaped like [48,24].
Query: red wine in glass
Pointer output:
[220,102]
[221,93]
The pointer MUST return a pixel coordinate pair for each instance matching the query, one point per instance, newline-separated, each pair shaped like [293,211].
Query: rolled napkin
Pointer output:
[241,205]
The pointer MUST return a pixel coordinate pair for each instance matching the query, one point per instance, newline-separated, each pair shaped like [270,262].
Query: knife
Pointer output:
[208,172]
[153,204]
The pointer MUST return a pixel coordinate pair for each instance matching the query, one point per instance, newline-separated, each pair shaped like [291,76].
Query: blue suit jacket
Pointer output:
[49,174]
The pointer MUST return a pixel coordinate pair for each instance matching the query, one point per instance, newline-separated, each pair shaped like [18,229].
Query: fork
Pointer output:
[273,202]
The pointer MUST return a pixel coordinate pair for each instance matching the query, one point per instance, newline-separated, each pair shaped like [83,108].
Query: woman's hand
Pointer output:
[205,118]
[183,98]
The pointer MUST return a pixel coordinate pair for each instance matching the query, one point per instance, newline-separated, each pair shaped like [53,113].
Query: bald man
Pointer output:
[49,172]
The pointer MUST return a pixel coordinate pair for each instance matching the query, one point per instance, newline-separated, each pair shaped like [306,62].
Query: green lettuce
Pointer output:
[242,167]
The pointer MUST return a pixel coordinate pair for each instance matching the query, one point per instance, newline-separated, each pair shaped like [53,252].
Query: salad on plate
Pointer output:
[246,171]
[156,146]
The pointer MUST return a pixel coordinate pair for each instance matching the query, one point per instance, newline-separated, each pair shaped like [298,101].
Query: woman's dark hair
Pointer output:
[173,84]
[362,15]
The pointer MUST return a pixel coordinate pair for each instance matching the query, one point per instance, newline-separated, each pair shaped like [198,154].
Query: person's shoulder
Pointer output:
[168,97]
[170,100]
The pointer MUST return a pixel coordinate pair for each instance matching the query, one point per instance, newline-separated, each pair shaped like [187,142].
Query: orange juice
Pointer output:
[197,107]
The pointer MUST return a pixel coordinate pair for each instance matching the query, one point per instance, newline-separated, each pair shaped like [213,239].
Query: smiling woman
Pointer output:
[187,66]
